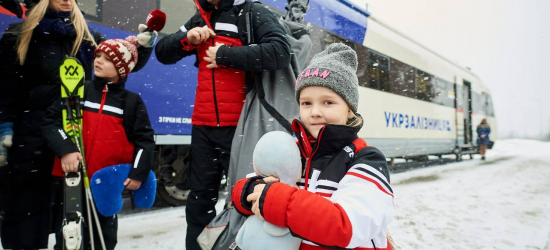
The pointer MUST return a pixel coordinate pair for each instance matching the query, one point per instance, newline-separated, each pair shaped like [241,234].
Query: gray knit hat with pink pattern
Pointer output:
[334,68]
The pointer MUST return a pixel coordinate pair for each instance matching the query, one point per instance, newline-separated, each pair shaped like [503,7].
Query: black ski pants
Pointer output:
[26,223]
[109,225]
[210,152]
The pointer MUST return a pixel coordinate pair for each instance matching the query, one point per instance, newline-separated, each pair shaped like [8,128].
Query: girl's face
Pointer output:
[320,106]
[104,67]
[61,5]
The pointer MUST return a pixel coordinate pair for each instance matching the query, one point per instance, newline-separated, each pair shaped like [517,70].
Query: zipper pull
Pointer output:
[106,88]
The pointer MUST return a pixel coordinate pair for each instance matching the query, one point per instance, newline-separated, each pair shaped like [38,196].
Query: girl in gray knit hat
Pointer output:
[344,198]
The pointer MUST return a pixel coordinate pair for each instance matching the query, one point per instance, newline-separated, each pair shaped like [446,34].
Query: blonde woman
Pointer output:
[31,53]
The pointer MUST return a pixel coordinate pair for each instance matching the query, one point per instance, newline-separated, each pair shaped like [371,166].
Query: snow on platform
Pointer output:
[501,203]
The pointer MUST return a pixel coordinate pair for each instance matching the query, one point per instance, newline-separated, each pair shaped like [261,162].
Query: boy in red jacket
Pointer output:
[108,139]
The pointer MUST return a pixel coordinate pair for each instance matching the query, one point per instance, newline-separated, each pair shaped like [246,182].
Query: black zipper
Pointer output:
[214,91]
[213,21]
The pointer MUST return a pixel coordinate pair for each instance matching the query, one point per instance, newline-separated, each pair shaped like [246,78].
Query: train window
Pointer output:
[362,66]
[478,103]
[402,79]
[424,86]
[91,8]
[177,13]
[443,92]
[476,108]
[379,71]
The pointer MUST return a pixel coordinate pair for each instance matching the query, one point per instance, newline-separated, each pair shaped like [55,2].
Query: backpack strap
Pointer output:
[130,100]
[270,109]
[246,34]
[244,23]
[359,144]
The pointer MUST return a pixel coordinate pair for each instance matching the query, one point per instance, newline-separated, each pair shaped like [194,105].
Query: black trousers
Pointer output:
[26,223]
[109,225]
[210,153]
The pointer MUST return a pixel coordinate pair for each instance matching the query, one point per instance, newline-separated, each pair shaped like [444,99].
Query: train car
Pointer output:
[414,101]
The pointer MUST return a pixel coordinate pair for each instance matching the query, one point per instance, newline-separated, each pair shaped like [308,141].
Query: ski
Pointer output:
[72,96]
[72,91]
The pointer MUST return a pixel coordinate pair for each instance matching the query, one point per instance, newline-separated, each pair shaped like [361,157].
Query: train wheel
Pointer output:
[458,154]
[172,184]
[175,195]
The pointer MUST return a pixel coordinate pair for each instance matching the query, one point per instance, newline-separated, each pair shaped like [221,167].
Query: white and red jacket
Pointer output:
[344,200]
[106,141]
[221,91]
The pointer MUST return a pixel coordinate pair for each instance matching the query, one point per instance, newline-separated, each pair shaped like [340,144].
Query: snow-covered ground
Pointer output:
[501,203]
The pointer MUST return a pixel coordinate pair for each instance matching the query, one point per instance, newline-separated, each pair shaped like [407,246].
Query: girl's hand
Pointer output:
[253,197]
[270,179]
[132,184]
[70,161]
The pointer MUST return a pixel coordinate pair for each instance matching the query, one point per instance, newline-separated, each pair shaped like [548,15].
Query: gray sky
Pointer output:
[505,42]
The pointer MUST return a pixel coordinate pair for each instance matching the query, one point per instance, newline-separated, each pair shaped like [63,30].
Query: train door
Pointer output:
[467,108]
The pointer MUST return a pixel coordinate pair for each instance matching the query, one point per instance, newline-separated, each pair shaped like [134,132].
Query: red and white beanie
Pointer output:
[123,53]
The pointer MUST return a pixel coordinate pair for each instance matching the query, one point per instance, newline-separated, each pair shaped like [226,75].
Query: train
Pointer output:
[415,102]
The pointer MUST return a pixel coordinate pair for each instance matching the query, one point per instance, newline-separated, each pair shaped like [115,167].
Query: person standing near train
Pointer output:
[483,131]
[344,198]
[225,68]
[31,53]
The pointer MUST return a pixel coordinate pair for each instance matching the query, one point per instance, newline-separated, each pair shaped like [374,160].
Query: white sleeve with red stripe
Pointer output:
[367,199]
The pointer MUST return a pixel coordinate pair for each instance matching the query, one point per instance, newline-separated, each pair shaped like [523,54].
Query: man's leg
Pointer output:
[224,140]
[204,176]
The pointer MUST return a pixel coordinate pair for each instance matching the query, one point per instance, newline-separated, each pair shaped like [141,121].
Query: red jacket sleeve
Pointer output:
[278,206]
[240,191]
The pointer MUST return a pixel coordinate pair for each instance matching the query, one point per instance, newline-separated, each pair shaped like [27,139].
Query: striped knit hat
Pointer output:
[123,53]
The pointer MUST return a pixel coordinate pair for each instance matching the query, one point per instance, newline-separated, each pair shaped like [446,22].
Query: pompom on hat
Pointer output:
[123,53]
[334,68]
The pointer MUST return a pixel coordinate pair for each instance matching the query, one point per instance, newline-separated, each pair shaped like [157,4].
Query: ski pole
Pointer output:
[94,212]
[89,197]
[83,169]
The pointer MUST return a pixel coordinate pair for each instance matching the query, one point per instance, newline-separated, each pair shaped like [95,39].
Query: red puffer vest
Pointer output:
[220,91]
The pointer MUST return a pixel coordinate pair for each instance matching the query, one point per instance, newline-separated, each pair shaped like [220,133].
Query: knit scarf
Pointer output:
[58,23]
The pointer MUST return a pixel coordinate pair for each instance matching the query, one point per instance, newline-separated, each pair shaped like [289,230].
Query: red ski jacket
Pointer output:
[106,140]
[344,200]
[221,91]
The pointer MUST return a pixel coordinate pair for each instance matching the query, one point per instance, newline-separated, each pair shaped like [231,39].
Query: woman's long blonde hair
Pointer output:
[37,13]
